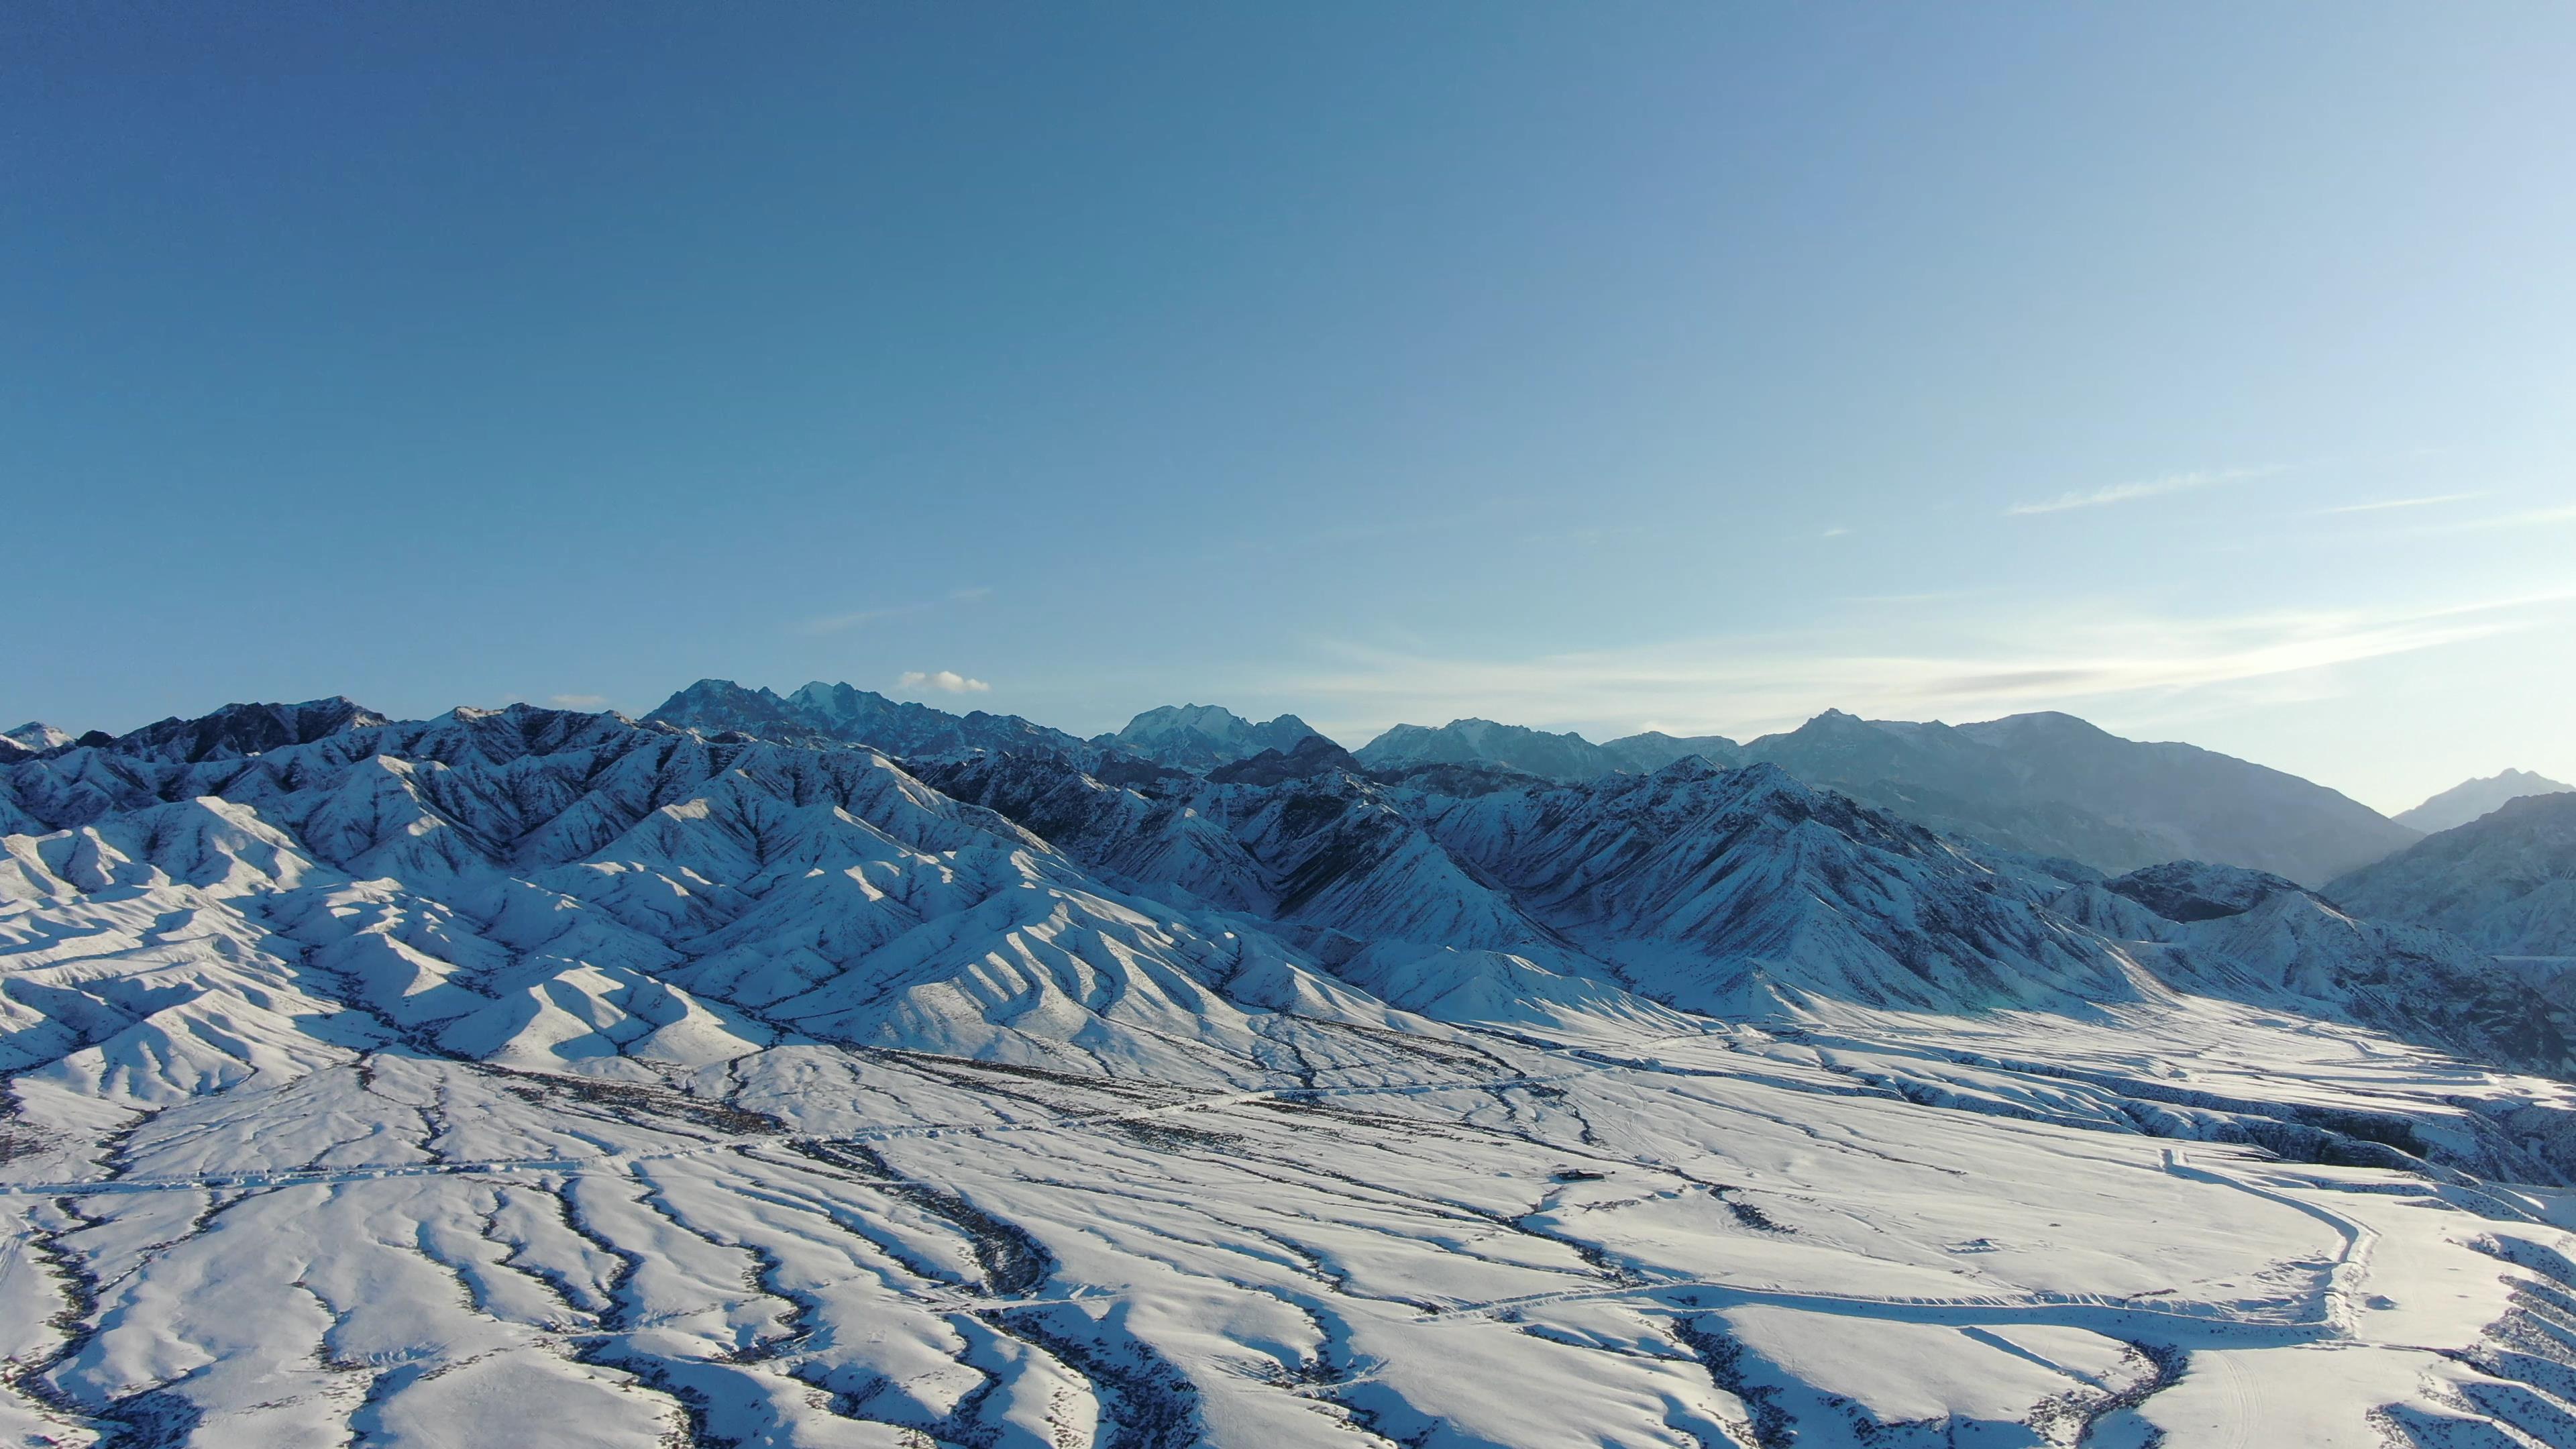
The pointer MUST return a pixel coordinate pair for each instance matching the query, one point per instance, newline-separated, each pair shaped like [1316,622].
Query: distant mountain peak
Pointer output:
[36,735]
[2471,799]
[821,713]
[1203,737]
[1566,758]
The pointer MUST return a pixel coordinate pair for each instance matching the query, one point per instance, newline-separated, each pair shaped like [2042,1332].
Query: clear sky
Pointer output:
[2206,370]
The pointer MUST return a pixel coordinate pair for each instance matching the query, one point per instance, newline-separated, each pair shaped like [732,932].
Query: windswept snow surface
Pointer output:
[526,1077]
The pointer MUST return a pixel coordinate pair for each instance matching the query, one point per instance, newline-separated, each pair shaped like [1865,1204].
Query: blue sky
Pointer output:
[2209,374]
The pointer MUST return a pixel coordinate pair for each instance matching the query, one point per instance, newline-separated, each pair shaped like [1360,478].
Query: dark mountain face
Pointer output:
[712,706]
[2188,890]
[1201,737]
[240,730]
[1314,755]
[1564,758]
[843,714]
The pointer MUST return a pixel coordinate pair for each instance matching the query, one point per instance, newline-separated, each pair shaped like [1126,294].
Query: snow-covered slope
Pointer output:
[1748,892]
[2505,882]
[34,737]
[527,1076]
[1744,893]
[2470,799]
[1201,737]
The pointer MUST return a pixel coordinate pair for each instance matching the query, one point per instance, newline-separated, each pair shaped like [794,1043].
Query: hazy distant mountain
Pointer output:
[1203,736]
[2053,784]
[2470,799]
[1564,758]
[2049,784]
[2504,882]
[1646,753]
[844,714]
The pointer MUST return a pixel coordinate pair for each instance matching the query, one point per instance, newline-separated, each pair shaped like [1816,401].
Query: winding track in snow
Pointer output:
[2328,1322]
[626,1161]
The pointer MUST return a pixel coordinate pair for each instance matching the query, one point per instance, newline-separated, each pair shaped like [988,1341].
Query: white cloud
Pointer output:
[2071,656]
[577,701]
[2386,504]
[858,618]
[837,623]
[948,680]
[2528,518]
[1836,532]
[2145,488]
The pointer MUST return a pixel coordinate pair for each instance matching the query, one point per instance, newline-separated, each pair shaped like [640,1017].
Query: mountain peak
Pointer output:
[1205,736]
[820,713]
[36,737]
[2471,799]
[240,730]
[1566,758]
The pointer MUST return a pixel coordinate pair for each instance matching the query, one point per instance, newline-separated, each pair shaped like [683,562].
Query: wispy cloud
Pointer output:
[841,623]
[1835,532]
[2385,504]
[861,618]
[945,680]
[1748,684]
[577,701]
[2190,482]
[2525,518]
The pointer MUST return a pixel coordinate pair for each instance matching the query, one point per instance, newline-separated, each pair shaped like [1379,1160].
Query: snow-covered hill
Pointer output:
[532,1076]
[2470,799]
[2505,882]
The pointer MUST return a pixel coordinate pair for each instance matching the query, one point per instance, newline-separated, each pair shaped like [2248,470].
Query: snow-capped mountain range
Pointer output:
[730,1076]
